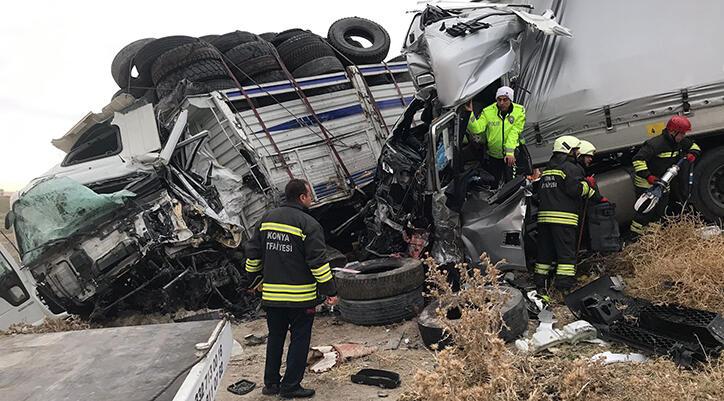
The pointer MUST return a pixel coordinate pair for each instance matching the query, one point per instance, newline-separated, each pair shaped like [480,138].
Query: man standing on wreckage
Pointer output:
[288,255]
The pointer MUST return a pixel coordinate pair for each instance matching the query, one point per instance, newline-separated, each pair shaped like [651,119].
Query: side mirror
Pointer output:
[9,219]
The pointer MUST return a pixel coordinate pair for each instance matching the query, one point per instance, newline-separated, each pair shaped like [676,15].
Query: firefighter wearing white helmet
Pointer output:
[562,186]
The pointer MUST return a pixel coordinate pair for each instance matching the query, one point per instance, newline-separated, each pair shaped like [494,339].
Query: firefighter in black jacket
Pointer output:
[654,158]
[562,186]
[287,248]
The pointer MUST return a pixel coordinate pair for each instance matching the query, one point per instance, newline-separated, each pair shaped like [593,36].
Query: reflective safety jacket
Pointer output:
[288,249]
[562,187]
[657,155]
[501,133]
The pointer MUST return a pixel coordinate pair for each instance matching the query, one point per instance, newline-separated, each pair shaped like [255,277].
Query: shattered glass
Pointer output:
[56,209]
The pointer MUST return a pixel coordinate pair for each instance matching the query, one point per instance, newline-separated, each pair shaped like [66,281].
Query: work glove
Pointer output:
[591,181]
[652,179]
[604,200]
[691,157]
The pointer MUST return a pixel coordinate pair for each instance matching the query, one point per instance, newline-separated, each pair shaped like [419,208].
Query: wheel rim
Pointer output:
[716,186]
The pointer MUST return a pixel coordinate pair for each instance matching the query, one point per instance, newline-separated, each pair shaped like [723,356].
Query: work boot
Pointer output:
[272,389]
[541,283]
[565,284]
[299,392]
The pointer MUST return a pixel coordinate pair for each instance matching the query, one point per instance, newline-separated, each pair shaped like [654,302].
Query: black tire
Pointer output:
[230,40]
[202,71]
[270,76]
[268,36]
[345,28]
[382,311]
[180,57]
[380,278]
[708,191]
[208,38]
[282,37]
[319,66]
[219,84]
[251,59]
[123,62]
[302,49]
[514,314]
[397,59]
[151,51]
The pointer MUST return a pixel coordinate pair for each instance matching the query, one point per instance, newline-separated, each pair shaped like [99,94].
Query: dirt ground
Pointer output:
[334,384]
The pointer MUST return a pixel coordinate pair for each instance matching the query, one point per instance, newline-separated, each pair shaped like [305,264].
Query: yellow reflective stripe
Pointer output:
[694,147]
[290,287]
[566,270]
[321,269]
[586,190]
[253,262]
[253,265]
[591,192]
[542,269]
[288,297]
[558,215]
[637,227]
[640,165]
[252,269]
[323,279]
[552,220]
[666,155]
[559,173]
[285,228]
[641,182]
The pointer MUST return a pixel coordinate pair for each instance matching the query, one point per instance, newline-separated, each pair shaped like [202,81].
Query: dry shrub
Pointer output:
[479,366]
[70,323]
[672,263]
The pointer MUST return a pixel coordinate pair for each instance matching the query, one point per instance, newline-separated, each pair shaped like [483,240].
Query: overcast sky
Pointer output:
[55,56]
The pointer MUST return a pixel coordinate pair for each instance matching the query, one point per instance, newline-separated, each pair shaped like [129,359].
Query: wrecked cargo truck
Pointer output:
[151,204]
[595,75]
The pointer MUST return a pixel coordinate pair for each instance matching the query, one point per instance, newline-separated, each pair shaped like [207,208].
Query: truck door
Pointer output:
[17,301]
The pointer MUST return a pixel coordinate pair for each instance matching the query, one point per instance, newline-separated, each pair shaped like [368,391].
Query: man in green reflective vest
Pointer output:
[498,127]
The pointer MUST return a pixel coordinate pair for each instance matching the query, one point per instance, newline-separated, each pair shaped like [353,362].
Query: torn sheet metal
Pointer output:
[546,336]
[55,209]
[447,247]
[496,229]
[609,357]
[471,48]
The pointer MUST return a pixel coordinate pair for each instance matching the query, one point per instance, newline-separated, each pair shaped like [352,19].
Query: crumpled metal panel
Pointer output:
[485,228]
[447,247]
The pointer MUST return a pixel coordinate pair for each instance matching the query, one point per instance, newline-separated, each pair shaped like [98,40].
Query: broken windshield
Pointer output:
[57,208]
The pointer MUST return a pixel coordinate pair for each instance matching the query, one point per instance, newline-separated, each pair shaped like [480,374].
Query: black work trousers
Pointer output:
[556,244]
[499,169]
[299,322]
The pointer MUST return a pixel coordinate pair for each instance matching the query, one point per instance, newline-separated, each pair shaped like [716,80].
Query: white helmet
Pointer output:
[566,143]
[586,148]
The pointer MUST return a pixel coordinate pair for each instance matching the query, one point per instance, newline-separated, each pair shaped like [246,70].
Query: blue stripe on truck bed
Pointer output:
[335,114]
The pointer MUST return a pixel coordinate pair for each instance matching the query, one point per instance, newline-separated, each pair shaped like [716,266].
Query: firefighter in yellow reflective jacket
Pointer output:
[287,251]
[562,186]
[499,127]
[654,158]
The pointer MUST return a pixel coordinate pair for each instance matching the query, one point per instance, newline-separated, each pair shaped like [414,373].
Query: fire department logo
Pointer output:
[511,119]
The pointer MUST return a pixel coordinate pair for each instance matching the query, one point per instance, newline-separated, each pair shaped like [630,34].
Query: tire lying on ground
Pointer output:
[514,314]
[341,33]
[380,278]
[123,62]
[383,310]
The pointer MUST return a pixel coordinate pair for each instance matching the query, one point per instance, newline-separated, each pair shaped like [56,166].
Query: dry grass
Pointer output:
[672,263]
[71,323]
[481,367]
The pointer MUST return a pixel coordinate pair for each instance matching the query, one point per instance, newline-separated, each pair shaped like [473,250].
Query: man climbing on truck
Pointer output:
[499,127]
[653,159]
[562,186]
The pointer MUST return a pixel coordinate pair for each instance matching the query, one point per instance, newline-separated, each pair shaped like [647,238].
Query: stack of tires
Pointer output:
[250,57]
[385,291]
